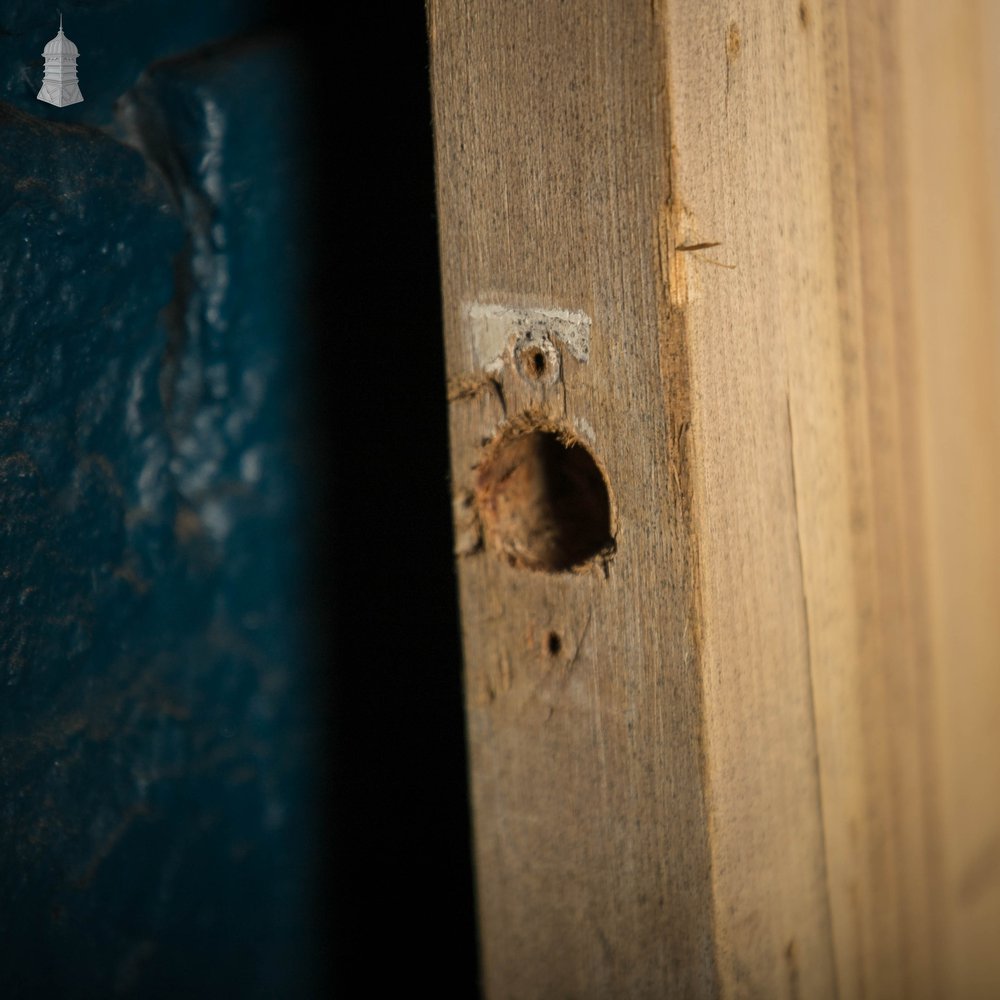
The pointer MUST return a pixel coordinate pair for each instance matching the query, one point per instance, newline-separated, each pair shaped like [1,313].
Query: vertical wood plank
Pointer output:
[747,102]
[590,830]
[763,758]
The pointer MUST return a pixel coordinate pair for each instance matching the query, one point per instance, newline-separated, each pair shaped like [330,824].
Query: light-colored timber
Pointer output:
[753,751]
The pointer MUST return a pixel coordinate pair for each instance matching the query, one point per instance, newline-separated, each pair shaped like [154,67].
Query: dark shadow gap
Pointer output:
[397,888]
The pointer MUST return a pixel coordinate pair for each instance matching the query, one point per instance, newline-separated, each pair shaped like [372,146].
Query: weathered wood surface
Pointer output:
[762,757]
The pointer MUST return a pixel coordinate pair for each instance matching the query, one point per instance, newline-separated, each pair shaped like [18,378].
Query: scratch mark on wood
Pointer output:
[793,971]
[469,386]
[790,953]
[579,643]
[707,245]
[689,247]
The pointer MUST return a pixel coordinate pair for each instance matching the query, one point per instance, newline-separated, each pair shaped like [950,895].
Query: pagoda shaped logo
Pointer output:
[60,86]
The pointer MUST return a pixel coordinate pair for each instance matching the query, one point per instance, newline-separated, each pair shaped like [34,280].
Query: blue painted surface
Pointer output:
[155,730]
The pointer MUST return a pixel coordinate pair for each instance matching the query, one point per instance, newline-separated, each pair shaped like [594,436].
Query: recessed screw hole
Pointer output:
[544,503]
[538,363]
[553,643]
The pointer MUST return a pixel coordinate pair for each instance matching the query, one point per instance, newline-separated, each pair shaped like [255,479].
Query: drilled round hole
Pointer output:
[543,501]
[537,360]
[553,643]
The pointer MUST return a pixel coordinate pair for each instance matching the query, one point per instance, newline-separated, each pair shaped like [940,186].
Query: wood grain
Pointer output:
[764,759]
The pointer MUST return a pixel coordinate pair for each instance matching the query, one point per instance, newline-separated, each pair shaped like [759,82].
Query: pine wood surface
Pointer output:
[762,756]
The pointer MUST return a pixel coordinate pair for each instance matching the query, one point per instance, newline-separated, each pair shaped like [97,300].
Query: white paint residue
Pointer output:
[495,329]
